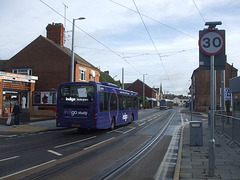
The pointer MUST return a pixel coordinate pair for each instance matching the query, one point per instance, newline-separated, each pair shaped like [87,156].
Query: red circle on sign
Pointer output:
[209,38]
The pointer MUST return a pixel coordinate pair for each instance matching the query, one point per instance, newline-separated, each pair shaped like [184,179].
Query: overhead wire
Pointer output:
[92,37]
[163,54]
[198,11]
[164,24]
[150,37]
[109,49]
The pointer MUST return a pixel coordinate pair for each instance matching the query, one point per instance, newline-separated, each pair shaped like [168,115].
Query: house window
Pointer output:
[82,74]
[93,75]
[23,71]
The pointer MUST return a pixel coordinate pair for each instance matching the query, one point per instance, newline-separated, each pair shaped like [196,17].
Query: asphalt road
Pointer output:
[140,150]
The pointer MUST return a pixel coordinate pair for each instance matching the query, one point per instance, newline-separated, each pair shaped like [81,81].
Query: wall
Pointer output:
[88,73]
[202,86]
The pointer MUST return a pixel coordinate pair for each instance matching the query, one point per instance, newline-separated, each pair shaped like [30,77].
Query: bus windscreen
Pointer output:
[77,93]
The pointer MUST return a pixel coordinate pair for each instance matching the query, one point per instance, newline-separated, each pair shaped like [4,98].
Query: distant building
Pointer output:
[179,102]
[176,101]
[201,86]
[150,93]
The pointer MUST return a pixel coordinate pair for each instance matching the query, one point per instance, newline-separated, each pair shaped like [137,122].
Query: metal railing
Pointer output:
[228,126]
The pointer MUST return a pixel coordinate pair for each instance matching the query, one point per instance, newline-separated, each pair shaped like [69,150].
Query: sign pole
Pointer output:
[222,97]
[211,44]
[211,164]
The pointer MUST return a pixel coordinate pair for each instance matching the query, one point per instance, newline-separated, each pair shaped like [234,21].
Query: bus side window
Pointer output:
[135,102]
[101,101]
[128,103]
[124,103]
[113,102]
[120,97]
[105,101]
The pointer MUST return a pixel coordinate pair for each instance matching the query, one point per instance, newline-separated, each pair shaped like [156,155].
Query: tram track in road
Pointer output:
[29,147]
[126,164]
[93,151]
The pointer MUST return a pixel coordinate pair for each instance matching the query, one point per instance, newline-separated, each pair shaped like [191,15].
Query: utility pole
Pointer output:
[64,20]
[72,55]
[122,78]
[65,10]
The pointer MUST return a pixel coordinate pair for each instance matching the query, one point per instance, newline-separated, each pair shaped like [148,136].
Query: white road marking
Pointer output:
[182,120]
[8,136]
[116,130]
[142,123]
[129,130]
[54,152]
[150,120]
[27,169]
[98,143]
[74,142]
[14,157]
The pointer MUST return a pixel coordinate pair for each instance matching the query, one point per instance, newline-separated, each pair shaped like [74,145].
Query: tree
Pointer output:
[105,77]
[147,105]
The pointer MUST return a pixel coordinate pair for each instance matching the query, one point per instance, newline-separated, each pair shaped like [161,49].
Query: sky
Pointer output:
[157,39]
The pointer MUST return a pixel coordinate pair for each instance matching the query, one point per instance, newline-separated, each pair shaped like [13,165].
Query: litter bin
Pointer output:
[196,133]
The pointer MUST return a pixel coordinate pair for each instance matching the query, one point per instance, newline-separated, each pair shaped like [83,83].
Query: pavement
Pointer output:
[36,125]
[192,161]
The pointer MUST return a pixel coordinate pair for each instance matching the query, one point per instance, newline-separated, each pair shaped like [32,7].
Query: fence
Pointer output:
[228,126]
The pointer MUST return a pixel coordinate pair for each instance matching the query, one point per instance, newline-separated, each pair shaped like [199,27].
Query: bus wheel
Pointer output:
[113,125]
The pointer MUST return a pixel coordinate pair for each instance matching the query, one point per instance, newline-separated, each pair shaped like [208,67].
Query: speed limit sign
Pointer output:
[211,42]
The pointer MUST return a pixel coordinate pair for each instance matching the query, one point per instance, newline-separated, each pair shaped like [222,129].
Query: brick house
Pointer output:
[48,59]
[201,86]
[150,93]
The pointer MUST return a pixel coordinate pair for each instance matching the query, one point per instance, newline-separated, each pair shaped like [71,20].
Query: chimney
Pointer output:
[55,32]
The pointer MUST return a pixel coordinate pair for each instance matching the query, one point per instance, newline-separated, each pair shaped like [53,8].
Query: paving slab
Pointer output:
[194,159]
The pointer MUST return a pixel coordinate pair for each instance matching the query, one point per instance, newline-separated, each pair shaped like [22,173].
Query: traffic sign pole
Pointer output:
[222,97]
[211,43]
[211,164]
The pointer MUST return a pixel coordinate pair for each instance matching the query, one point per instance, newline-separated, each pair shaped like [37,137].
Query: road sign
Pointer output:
[219,59]
[211,42]
[227,94]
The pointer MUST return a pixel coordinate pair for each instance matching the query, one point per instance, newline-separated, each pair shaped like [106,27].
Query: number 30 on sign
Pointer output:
[211,42]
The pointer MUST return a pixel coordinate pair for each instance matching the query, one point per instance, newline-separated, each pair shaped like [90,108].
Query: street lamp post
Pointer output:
[72,56]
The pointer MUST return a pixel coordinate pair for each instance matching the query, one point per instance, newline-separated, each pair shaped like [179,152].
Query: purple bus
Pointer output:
[95,105]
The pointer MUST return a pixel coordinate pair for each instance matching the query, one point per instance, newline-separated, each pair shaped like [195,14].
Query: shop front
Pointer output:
[16,87]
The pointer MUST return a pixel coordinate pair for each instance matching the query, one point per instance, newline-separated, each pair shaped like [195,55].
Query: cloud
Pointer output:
[115,32]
